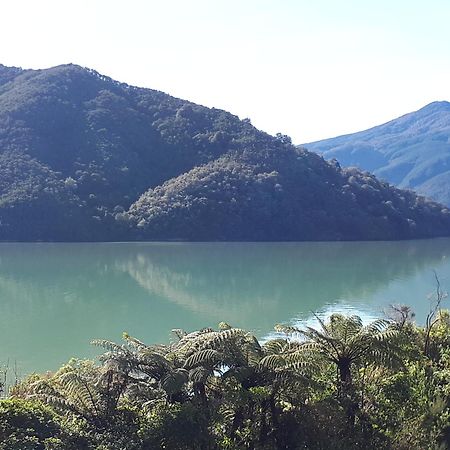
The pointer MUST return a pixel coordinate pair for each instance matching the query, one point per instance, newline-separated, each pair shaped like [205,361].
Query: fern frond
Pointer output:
[376,326]
[203,357]
[199,374]
[54,400]
[79,390]
[134,342]
[109,345]
[174,381]
[272,362]
[275,346]
[287,329]
[179,333]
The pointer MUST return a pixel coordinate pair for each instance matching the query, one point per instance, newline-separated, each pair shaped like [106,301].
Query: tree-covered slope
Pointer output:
[83,157]
[412,151]
[280,193]
[95,141]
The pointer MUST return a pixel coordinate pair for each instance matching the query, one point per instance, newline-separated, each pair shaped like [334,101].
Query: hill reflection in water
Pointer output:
[55,298]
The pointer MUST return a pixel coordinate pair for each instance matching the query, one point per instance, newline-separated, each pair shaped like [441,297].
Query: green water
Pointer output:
[55,298]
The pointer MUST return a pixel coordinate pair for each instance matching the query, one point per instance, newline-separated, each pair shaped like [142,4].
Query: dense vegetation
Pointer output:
[83,157]
[343,385]
[283,194]
[412,151]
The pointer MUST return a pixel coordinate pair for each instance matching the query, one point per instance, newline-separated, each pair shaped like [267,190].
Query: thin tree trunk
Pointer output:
[264,430]
[200,392]
[345,373]
[346,380]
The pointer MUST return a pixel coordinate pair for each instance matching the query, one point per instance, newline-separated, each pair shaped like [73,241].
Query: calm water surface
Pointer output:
[55,298]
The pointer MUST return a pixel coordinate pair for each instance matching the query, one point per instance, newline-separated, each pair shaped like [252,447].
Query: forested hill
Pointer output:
[83,157]
[412,151]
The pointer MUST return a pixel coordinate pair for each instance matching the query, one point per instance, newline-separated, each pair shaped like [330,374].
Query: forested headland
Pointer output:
[86,158]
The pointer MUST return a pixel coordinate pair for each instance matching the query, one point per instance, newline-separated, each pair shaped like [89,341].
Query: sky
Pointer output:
[311,69]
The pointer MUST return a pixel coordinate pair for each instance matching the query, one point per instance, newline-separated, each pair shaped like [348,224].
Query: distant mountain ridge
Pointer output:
[86,158]
[412,151]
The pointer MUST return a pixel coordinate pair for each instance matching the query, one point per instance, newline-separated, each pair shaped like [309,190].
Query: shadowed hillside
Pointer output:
[83,157]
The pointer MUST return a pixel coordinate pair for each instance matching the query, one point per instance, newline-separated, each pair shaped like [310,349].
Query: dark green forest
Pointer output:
[86,158]
[339,385]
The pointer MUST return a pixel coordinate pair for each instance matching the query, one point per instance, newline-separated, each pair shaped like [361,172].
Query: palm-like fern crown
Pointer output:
[79,387]
[190,357]
[347,337]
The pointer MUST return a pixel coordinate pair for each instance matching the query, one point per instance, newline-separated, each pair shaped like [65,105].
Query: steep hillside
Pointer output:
[412,151]
[95,144]
[83,157]
[280,193]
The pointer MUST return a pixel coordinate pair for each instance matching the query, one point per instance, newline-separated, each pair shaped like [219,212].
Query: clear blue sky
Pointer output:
[308,68]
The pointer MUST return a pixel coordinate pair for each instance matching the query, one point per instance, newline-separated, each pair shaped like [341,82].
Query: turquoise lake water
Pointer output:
[56,298]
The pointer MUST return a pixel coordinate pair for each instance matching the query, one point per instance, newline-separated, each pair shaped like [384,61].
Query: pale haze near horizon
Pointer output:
[309,69]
